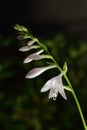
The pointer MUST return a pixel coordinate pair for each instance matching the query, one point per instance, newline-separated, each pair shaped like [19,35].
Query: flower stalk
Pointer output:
[55,84]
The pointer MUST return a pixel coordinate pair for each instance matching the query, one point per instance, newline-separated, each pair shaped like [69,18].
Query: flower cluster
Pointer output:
[54,85]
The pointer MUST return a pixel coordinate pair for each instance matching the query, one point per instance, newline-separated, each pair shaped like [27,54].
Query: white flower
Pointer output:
[27,48]
[31,42]
[55,85]
[37,71]
[33,56]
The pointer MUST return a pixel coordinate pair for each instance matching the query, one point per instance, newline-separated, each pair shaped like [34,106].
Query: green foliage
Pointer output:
[22,106]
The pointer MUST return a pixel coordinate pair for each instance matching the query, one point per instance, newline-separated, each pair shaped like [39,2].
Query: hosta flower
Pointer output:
[37,71]
[36,57]
[27,48]
[31,42]
[55,85]
[33,56]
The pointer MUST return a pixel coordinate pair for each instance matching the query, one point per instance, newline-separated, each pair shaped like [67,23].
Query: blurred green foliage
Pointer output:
[22,106]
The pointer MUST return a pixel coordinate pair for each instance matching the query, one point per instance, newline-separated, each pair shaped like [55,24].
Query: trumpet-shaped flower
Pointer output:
[37,71]
[55,85]
[27,48]
[34,56]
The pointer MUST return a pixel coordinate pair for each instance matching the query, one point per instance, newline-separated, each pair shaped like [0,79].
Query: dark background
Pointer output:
[62,26]
[45,15]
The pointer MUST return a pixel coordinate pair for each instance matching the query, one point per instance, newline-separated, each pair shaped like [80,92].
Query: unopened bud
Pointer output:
[65,68]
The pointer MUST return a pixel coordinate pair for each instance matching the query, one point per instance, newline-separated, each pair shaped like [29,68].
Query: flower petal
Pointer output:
[36,57]
[61,91]
[59,86]
[37,71]
[31,42]
[47,86]
[33,56]
[55,85]
[27,48]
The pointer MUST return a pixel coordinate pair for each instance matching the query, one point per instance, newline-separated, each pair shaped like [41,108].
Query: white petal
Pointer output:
[37,71]
[31,42]
[27,60]
[36,57]
[62,92]
[59,86]
[32,56]
[48,84]
[27,48]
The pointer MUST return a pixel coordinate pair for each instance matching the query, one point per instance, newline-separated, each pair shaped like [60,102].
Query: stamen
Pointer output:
[55,96]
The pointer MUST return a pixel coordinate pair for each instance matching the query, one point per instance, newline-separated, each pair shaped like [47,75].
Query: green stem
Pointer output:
[75,97]
[77,103]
